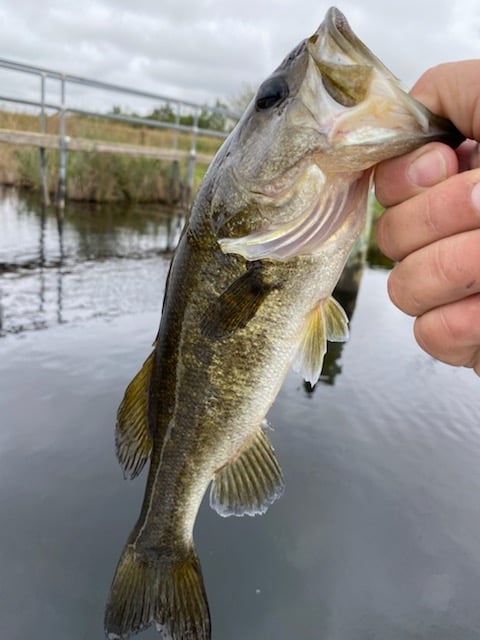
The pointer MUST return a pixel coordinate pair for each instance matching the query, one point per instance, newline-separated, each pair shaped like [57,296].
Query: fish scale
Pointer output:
[249,295]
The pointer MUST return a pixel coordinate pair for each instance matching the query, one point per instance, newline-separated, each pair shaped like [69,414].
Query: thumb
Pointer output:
[452,90]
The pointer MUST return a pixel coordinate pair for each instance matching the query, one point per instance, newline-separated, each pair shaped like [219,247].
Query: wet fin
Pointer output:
[319,215]
[336,321]
[248,484]
[133,442]
[238,304]
[327,321]
[148,589]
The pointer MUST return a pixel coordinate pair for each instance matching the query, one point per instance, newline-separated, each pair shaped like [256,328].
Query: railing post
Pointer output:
[191,162]
[41,151]
[175,131]
[180,190]
[62,168]
[175,188]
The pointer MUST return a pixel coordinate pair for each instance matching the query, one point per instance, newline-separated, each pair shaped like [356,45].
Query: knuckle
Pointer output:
[433,207]
[382,233]
[454,264]
[402,293]
[391,184]
[438,336]
[450,332]
[442,264]
[393,289]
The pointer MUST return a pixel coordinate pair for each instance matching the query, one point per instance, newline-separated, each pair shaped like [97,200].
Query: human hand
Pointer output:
[431,224]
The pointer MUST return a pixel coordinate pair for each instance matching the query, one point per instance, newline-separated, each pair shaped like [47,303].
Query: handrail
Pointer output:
[64,107]
[108,86]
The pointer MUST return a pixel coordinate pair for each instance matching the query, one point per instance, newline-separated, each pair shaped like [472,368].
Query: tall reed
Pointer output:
[98,177]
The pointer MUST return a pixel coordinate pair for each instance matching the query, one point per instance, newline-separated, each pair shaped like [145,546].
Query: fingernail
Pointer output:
[427,170]
[475,196]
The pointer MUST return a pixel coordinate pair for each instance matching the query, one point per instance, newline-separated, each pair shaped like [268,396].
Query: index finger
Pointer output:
[401,178]
[451,90]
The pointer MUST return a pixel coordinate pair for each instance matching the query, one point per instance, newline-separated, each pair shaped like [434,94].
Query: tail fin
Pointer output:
[148,589]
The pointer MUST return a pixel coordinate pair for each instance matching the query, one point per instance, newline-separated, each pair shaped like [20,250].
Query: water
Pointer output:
[90,264]
[377,536]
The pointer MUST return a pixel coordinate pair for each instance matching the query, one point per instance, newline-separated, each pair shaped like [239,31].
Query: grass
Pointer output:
[99,177]
[102,177]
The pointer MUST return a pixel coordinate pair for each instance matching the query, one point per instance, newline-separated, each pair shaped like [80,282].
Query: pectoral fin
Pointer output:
[336,321]
[133,442]
[238,304]
[250,482]
[327,321]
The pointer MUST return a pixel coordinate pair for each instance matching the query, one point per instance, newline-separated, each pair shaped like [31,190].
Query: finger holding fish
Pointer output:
[437,274]
[445,93]
[432,222]
[451,332]
[451,205]
[402,178]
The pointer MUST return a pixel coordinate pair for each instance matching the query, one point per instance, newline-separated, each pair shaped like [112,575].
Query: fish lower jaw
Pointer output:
[384,119]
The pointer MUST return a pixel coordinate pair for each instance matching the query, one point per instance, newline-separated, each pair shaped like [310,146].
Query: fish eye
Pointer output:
[271,93]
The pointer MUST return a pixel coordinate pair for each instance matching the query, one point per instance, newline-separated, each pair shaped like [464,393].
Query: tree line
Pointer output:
[212,120]
[207,119]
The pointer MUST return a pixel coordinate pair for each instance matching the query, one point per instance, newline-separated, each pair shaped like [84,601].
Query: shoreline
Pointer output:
[96,176]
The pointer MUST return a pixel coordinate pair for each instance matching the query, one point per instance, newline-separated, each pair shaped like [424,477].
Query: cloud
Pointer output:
[206,49]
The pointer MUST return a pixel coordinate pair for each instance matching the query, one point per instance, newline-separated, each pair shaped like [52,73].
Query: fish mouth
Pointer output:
[355,114]
[372,108]
[339,31]
[335,40]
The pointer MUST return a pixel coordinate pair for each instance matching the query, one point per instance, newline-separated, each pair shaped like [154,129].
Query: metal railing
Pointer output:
[63,107]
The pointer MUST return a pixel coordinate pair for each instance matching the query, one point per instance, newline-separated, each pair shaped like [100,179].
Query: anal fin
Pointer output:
[250,482]
[326,321]
[133,442]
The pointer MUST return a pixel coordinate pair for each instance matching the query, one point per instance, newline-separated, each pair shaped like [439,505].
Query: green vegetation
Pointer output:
[206,119]
[101,177]
[375,257]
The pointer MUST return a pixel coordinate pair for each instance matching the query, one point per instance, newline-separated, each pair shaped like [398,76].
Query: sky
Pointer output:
[203,50]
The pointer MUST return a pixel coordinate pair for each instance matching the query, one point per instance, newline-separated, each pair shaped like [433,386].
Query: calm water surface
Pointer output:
[377,536]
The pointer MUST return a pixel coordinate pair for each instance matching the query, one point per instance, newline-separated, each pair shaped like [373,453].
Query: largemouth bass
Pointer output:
[248,296]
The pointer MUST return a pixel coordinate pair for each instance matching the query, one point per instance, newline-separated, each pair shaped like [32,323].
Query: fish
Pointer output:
[248,296]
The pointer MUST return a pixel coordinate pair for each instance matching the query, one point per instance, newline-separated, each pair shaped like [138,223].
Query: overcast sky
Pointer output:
[201,50]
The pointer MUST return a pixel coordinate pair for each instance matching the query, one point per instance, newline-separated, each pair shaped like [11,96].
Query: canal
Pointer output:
[377,536]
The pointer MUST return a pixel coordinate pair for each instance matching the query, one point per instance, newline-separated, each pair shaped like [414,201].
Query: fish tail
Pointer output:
[149,588]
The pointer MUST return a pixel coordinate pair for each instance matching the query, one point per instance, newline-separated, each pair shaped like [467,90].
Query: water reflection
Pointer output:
[33,234]
[97,260]
[55,270]
[376,535]
[42,264]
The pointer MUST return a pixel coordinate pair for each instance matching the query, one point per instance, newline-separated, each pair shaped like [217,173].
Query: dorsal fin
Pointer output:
[326,321]
[250,482]
[133,442]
